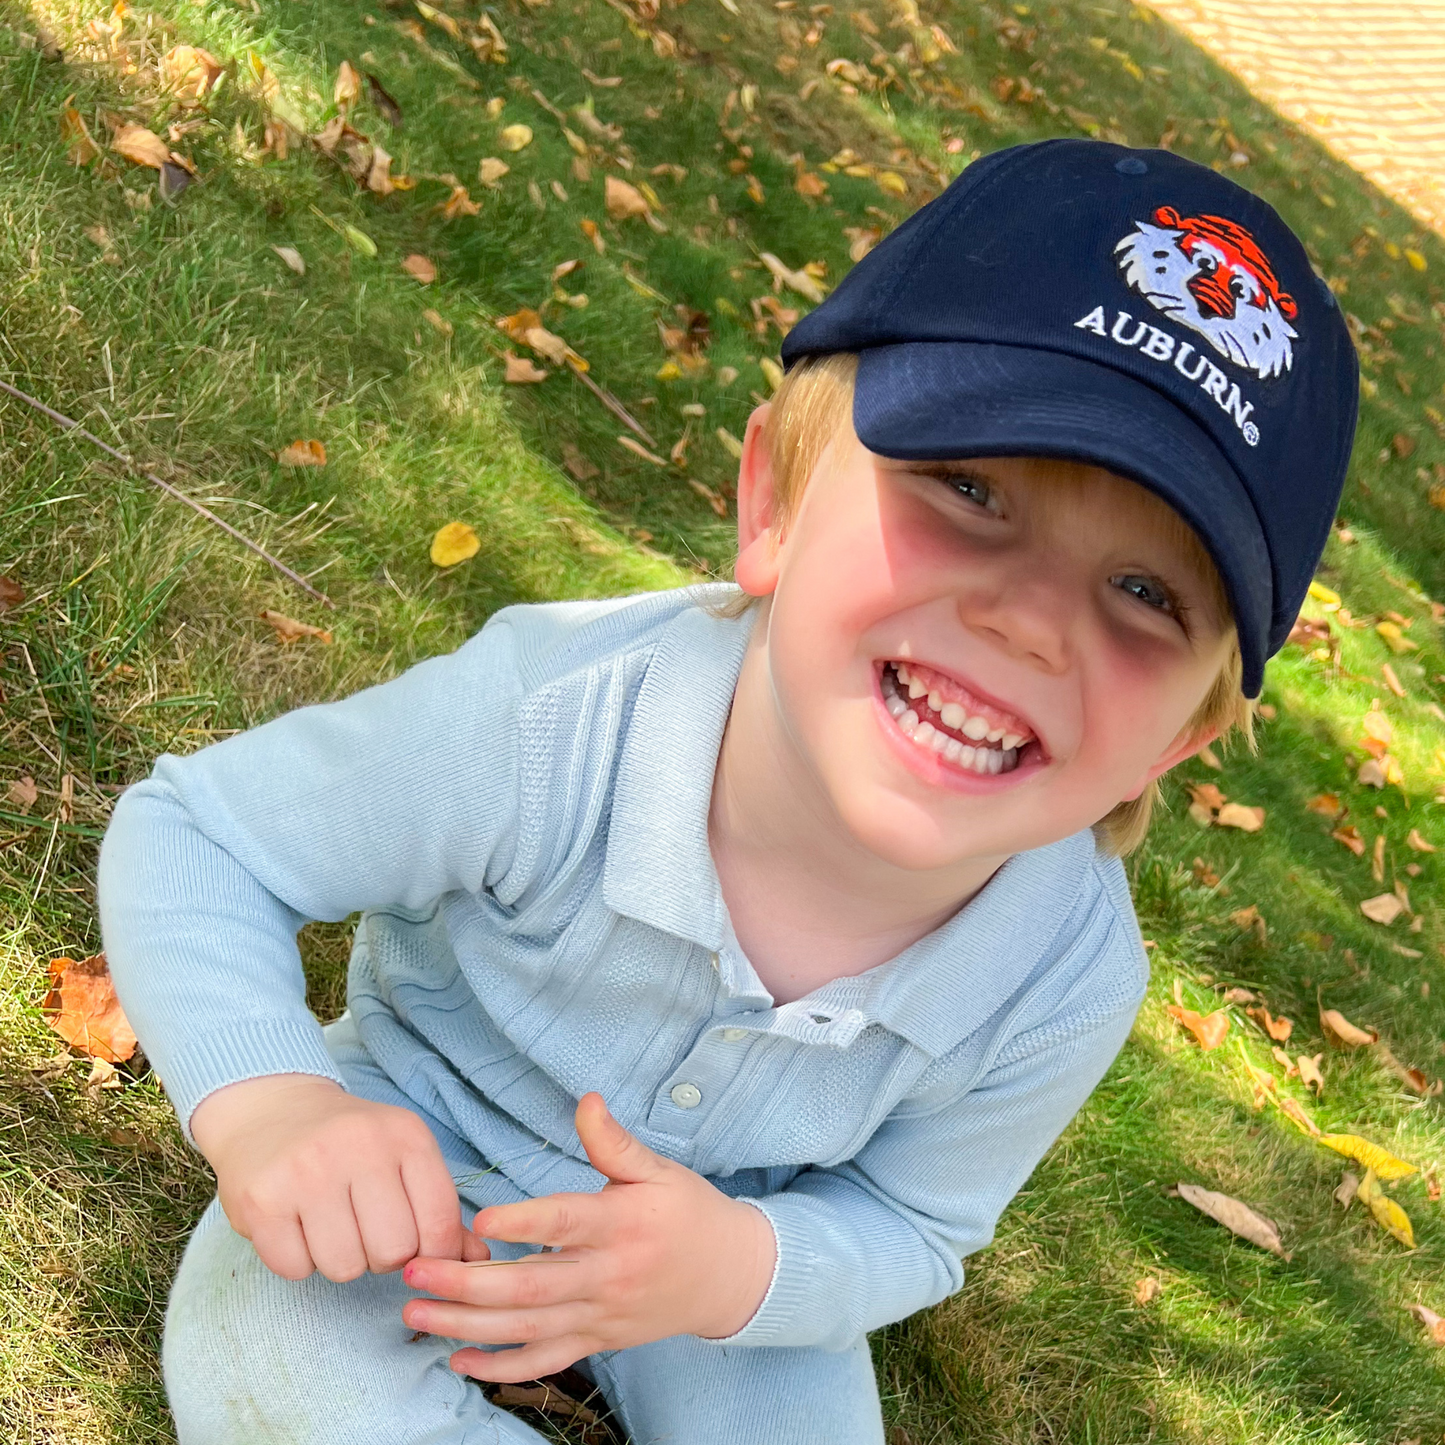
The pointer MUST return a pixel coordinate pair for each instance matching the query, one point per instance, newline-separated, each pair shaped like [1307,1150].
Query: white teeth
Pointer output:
[895,705]
[935,701]
[901,670]
[995,761]
[908,721]
[980,761]
[975,728]
[1011,740]
[939,742]
[965,755]
[953,715]
[915,688]
[994,734]
[923,732]
[954,750]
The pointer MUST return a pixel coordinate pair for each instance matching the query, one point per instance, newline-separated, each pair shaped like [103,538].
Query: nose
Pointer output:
[1027,618]
[1211,291]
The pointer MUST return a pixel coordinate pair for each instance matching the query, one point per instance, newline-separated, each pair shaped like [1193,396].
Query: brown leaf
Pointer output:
[1240,995]
[1283,1060]
[1234,1216]
[522,370]
[1350,837]
[1327,804]
[1379,727]
[1147,1290]
[288,630]
[292,257]
[547,1398]
[1309,632]
[81,148]
[12,594]
[637,449]
[302,454]
[591,230]
[1383,909]
[1207,796]
[1415,841]
[459,203]
[1204,874]
[861,240]
[382,101]
[579,466]
[22,793]
[348,85]
[437,321]
[1309,1072]
[1372,774]
[1392,681]
[802,282]
[1279,1029]
[490,170]
[1341,1032]
[140,145]
[420,268]
[82,1008]
[1241,816]
[1209,1029]
[1434,1325]
[1348,1187]
[1250,918]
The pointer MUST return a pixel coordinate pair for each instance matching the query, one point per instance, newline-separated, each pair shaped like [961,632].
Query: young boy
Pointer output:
[820,894]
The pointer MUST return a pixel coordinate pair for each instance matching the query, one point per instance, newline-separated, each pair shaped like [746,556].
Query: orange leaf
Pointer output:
[1339,1030]
[1241,816]
[1350,837]
[302,454]
[1415,841]
[1434,1325]
[1279,1029]
[82,1008]
[1326,803]
[289,630]
[1209,1029]
[140,145]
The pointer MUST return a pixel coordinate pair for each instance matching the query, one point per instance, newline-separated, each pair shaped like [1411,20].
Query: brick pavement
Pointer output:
[1364,76]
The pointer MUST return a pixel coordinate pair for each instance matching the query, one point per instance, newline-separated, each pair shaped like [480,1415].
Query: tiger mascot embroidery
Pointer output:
[1208,274]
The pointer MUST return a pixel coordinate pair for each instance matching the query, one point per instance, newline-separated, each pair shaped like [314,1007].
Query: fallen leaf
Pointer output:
[1384,908]
[190,71]
[1415,841]
[1347,1188]
[861,240]
[1326,596]
[1241,816]
[1413,1079]
[1205,801]
[547,1398]
[516,137]
[1292,1109]
[292,257]
[347,90]
[103,1075]
[420,268]
[1147,1290]
[142,146]
[302,454]
[624,200]
[1434,1325]
[1327,804]
[22,793]
[522,370]
[1240,995]
[459,203]
[1310,632]
[359,241]
[1209,1029]
[454,543]
[383,101]
[1309,1072]
[731,445]
[1391,680]
[1205,876]
[593,232]
[437,321]
[1350,837]
[1388,1215]
[1372,774]
[82,1008]
[12,594]
[579,466]
[1395,638]
[1379,727]
[1279,1029]
[1210,759]
[490,170]
[1234,1216]
[1283,1060]
[799,281]
[288,630]
[81,148]
[638,450]
[1339,1030]
[99,236]
[1381,1161]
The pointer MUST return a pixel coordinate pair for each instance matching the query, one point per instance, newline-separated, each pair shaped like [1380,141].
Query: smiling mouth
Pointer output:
[941,716]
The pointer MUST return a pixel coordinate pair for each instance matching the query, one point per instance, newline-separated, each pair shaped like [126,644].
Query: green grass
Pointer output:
[185,340]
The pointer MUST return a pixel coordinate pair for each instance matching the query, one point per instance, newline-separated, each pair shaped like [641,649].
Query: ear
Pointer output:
[756,570]
[1186,745]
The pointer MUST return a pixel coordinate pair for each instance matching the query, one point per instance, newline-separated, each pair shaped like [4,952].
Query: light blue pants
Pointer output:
[254,1359]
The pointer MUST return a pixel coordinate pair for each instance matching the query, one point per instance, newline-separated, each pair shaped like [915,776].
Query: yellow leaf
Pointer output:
[515,137]
[669,371]
[1395,640]
[623,199]
[1415,259]
[302,454]
[731,444]
[454,543]
[1388,1215]
[1352,1146]
[772,371]
[1324,594]
[490,170]
[143,147]
[891,183]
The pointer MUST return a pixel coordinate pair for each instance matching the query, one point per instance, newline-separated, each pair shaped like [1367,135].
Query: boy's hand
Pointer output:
[658,1252]
[318,1179]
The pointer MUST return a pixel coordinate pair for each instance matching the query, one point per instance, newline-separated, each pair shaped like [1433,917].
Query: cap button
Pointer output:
[1132,166]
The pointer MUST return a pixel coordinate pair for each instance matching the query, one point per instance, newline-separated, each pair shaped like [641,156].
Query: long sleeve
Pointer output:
[883,1235]
[394,796]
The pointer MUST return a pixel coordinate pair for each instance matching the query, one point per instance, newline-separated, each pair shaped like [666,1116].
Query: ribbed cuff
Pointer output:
[782,1317]
[245,1051]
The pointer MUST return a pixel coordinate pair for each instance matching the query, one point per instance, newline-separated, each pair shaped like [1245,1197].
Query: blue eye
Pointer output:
[1146,589]
[970,488]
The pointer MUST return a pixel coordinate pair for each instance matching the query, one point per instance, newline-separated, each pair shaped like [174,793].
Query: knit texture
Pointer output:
[523,825]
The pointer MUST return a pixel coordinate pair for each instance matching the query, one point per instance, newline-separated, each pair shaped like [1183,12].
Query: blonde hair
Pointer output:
[814,404]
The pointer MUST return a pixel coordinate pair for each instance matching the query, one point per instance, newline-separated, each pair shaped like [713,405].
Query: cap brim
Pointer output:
[923,400]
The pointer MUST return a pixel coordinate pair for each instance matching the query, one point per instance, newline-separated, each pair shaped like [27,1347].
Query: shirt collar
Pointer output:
[659,867]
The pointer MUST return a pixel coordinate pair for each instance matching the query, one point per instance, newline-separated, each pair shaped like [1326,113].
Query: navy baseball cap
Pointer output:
[1127,308]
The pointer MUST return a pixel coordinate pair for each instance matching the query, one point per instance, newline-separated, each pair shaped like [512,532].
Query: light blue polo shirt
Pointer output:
[523,825]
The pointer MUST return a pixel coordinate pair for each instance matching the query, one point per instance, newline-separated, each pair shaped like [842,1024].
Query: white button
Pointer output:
[735,1036]
[686,1096]
[714,959]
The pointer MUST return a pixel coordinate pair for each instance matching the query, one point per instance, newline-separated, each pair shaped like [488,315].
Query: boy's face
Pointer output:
[975,658]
